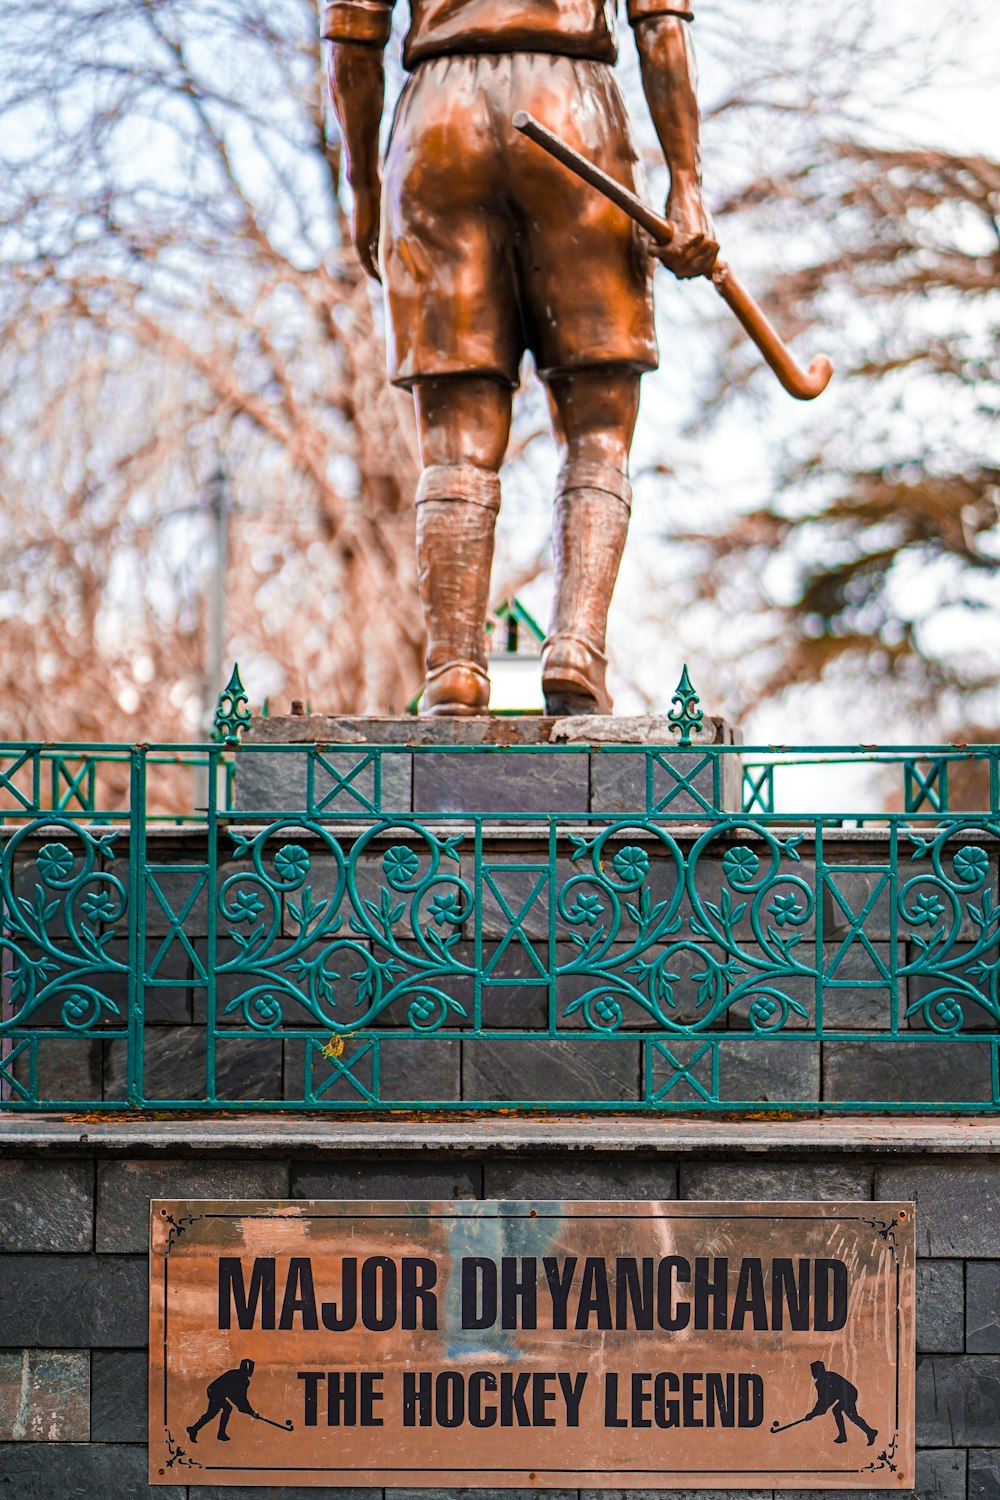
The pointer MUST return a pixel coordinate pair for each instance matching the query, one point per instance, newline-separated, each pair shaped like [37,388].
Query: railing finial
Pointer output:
[232,715]
[686,716]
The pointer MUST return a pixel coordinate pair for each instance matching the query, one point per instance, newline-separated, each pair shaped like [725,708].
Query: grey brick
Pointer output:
[982,1307]
[331,1079]
[119,1396]
[682,785]
[940,1307]
[754,1070]
[171,885]
[276,781]
[857,995]
[542,782]
[610,1181]
[125,1188]
[44,1396]
[420,1068]
[515,995]
[984,1474]
[856,887]
[778,1182]
[940,1476]
[765,1071]
[919,1072]
[69,1070]
[270,781]
[46,1205]
[957,1400]
[74,1302]
[565,1070]
[386,1179]
[176,1062]
[400,729]
[167,986]
[958,1203]
[523,880]
[412,1070]
[79,1471]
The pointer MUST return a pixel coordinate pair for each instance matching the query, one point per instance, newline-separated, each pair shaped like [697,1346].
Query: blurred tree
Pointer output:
[176,299]
[876,555]
[177,302]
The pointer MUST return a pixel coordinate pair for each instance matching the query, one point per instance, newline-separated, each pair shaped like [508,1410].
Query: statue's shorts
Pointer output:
[489,246]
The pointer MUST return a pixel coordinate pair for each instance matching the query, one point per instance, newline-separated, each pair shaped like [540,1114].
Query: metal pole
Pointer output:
[215,641]
[217,510]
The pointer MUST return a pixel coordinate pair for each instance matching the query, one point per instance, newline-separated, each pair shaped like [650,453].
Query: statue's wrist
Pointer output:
[685,186]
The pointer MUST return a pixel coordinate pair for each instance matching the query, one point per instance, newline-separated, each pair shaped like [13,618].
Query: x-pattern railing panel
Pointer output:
[328,960]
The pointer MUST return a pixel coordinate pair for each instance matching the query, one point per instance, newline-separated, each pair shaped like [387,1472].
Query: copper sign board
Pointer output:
[513,1345]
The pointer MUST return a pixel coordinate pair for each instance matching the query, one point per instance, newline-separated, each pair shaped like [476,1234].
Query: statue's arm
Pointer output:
[358,31]
[666,59]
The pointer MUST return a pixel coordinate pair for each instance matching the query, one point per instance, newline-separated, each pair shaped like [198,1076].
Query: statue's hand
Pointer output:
[694,248]
[367,226]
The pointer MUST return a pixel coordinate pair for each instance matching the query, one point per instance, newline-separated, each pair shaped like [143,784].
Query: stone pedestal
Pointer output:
[74,1225]
[504,766]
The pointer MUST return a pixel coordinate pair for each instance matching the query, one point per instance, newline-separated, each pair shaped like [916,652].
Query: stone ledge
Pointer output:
[269,1135]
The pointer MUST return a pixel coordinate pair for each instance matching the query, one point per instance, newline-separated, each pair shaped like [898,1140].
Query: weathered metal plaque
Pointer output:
[512,1345]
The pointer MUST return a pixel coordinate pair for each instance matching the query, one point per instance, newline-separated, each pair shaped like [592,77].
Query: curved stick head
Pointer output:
[815,380]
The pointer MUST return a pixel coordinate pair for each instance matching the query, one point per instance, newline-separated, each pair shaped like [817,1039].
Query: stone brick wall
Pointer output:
[73,1272]
[869,974]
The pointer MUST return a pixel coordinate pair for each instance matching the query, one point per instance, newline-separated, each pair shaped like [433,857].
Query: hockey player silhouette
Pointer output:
[836,1394]
[225,1393]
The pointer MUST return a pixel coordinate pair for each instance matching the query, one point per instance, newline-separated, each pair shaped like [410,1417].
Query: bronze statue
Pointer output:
[489,247]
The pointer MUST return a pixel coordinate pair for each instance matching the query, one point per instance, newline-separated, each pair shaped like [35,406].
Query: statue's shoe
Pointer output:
[573,673]
[459,689]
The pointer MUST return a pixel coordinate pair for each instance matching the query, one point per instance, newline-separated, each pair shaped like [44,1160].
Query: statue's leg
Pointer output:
[594,414]
[464,425]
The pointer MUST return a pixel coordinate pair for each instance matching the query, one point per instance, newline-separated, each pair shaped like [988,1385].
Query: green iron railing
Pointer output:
[357,928]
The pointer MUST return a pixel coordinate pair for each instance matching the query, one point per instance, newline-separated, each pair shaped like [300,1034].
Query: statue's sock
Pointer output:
[589,527]
[457,507]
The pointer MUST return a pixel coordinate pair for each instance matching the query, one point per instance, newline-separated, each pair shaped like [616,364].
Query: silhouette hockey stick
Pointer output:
[281,1426]
[804,385]
[776,1428]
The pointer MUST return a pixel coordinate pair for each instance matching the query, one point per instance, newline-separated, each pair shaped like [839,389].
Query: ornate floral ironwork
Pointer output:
[333,942]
